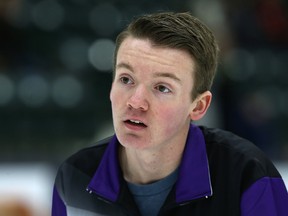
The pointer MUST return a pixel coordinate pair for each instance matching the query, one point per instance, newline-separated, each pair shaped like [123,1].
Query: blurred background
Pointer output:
[55,78]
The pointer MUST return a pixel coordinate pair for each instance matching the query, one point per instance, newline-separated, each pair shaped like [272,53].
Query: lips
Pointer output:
[135,124]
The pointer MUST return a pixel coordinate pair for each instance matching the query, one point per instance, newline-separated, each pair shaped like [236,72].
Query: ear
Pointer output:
[200,105]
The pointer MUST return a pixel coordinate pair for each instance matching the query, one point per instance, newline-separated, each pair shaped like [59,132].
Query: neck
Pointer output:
[147,166]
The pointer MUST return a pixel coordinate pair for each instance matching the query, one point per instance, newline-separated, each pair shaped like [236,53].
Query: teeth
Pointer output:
[137,122]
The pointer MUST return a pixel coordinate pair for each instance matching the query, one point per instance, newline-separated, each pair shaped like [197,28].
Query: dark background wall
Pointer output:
[55,71]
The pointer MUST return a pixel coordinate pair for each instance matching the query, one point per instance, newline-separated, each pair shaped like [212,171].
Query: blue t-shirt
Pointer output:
[150,197]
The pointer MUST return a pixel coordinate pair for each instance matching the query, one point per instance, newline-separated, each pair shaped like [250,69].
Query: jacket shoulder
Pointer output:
[221,140]
[228,152]
[87,159]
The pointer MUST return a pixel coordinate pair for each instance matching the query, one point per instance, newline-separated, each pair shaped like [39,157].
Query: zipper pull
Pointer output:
[89,191]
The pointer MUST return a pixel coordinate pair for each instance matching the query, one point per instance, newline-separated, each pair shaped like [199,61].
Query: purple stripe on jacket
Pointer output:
[266,197]
[59,208]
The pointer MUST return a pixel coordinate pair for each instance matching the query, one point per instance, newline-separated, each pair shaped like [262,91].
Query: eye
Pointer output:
[163,89]
[126,80]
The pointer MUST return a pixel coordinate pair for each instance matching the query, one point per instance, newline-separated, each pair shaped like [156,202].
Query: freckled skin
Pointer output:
[167,115]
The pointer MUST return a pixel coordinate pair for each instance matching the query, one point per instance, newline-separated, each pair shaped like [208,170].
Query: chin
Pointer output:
[132,141]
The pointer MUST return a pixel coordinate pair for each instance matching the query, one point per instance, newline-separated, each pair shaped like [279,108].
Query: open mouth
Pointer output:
[135,123]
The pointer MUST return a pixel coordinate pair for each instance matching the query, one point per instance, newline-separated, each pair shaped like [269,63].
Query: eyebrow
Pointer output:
[168,75]
[125,66]
[157,74]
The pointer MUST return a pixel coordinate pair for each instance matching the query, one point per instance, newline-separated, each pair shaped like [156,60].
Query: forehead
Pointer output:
[143,51]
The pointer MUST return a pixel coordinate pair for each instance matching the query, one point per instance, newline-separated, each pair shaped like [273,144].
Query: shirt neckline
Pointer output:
[155,187]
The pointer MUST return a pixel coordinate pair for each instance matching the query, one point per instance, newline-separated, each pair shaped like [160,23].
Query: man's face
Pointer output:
[151,95]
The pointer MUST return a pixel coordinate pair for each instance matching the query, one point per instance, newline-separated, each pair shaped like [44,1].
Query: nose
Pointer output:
[139,99]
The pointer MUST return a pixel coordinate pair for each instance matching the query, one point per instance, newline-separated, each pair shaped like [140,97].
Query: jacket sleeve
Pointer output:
[58,206]
[266,197]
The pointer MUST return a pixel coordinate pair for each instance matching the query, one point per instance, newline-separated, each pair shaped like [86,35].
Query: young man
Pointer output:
[158,163]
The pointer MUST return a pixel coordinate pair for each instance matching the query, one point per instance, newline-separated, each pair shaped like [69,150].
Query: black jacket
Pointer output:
[220,174]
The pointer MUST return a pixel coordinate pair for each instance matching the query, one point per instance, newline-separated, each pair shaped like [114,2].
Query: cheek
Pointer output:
[114,104]
[114,96]
[172,118]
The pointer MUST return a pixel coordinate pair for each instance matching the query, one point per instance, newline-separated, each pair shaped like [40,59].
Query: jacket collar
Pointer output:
[107,178]
[194,178]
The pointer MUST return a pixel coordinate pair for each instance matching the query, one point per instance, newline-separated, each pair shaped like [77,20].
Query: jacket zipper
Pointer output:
[168,208]
[90,191]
